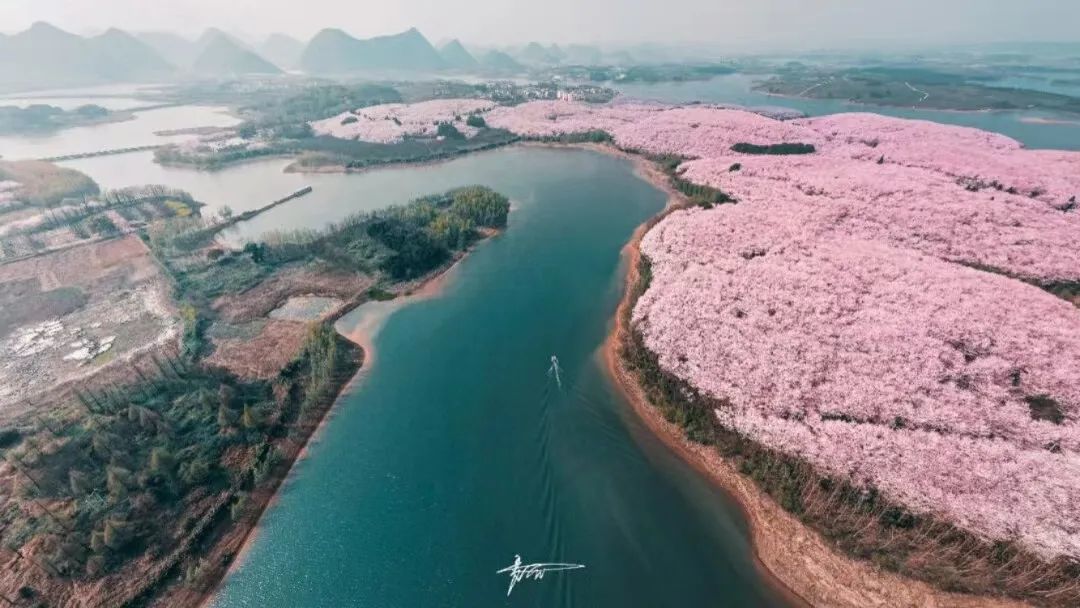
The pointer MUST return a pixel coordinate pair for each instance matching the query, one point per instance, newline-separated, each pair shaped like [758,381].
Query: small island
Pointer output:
[40,118]
[912,87]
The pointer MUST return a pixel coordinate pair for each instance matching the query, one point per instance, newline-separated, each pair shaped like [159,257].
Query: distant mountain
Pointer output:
[535,53]
[213,53]
[500,61]
[621,58]
[455,56]
[580,54]
[175,49]
[334,51]
[221,55]
[212,35]
[331,50]
[48,56]
[282,50]
[125,57]
[556,53]
[44,54]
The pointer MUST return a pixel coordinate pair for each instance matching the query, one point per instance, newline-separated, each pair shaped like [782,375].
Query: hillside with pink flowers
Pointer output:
[391,123]
[872,308]
[878,310]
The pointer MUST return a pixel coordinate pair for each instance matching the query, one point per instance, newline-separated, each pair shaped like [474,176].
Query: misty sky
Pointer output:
[757,24]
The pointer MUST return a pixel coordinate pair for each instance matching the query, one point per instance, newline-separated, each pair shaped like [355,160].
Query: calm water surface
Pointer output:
[251,185]
[140,131]
[72,102]
[456,450]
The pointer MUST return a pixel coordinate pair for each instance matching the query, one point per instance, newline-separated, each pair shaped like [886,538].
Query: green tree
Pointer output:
[197,471]
[449,131]
[482,206]
[117,481]
[250,418]
[161,461]
[226,418]
[116,533]
[452,231]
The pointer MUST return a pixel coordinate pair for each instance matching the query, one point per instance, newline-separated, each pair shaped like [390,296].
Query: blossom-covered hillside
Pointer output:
[908,206]
[951,390]
[977,158]
[861,306]
[390,123]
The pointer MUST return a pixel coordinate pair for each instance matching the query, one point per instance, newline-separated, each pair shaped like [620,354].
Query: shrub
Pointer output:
[102,225]
[9,438]
[785,148]
[449,131]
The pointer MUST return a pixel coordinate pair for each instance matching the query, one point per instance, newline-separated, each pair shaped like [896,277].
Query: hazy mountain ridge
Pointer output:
[583,54]
[174,48]
[334,51]
[128,56]
[45,55]
[184,52]
[282,50]
[500,61]
[535,53]
[456,56]
[223,56]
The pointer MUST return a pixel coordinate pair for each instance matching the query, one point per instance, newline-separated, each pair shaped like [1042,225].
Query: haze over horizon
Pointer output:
[761,25]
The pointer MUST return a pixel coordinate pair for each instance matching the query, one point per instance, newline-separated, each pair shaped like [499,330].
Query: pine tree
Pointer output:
[116,533]
[116,482]
[250,418]
[225,418]
[161,461]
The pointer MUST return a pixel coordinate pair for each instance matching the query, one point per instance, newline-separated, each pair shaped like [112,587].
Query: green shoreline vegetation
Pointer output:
[401,242]
[194,444]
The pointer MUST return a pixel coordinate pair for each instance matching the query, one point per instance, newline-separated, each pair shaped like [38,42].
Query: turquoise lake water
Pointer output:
[457,450]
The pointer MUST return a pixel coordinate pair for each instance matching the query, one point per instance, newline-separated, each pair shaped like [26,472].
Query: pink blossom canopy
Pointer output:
[861,307]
